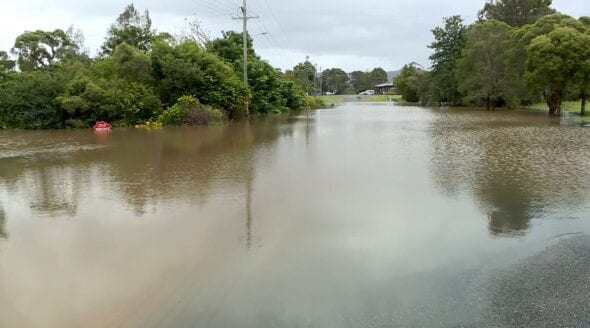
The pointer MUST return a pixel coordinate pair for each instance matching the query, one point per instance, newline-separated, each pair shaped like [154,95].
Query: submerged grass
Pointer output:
[569,106]
[383,98]
[331,99]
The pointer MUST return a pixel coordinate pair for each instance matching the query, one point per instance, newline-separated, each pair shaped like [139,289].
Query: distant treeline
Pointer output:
[48,80]
[518,52]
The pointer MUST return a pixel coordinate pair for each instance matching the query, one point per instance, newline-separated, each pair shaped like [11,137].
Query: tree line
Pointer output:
[517,53]
[335,80]
[139,76]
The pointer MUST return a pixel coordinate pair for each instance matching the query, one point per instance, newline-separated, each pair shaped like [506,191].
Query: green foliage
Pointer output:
[28,101]
[481,71]
[132,64]
[230,48]
[410,83]
[186,69]
[58,85]
[265,82]
[291,95]
[315,102]
[6,64]
[137,103]
[189,111]
[448,45]
[132,28]
[553,61]
[361,81]
[304,75]
[377,76]
[516,12]
[516,55]
[40,49]
[335,80]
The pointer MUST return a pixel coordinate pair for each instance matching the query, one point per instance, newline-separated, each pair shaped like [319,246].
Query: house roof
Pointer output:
[383,85]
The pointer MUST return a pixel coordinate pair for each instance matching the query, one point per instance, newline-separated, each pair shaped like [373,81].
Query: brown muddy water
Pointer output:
[359,216]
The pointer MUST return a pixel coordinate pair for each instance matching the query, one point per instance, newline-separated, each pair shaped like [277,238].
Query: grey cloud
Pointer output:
[347,33]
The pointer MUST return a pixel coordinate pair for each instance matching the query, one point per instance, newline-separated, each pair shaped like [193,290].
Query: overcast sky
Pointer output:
[353,35]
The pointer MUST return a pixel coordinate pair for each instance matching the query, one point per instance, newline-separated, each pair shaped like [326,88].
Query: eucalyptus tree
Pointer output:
[516,12]
[481,71]
[335,80]
[41,49]
[448,44]
[131,27]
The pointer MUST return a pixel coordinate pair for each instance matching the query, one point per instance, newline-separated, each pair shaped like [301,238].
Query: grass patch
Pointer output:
[383,98]
[568,106]
[331,99]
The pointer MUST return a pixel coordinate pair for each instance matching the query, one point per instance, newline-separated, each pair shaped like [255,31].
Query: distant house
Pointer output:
[383,88]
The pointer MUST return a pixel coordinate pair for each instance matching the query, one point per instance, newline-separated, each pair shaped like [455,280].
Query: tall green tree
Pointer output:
[481,70]
[448,44]
[361,81]
[553,61]
[131,27]
[409,83]
[335,80]
[304,75]
[520,92]
[378,75]
[41,49]
[516,12]
[266,84]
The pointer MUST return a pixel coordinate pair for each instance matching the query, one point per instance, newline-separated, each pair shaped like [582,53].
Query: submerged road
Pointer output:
[550,289]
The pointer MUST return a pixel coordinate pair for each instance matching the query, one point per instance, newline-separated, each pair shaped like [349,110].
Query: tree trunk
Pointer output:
[554,103]
[583,110]
[488,103]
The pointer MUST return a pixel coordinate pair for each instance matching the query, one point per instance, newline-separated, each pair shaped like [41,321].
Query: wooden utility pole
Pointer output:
[245,19]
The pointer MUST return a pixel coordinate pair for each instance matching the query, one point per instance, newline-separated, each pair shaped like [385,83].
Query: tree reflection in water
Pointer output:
[517,166]
[142,168]
[3,233]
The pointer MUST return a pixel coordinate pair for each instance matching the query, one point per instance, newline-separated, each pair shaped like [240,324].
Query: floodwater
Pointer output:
[358,216]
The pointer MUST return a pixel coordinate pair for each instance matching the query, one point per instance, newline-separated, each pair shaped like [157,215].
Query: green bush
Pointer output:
[27,101]
[189,111]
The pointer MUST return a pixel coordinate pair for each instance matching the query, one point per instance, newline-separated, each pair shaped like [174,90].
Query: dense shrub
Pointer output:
[189,111]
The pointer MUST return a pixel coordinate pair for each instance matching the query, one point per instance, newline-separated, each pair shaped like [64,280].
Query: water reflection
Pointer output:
[140,167]
[3,233]
[516,165]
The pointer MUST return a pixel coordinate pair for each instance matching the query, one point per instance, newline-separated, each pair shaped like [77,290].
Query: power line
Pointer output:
[213,9]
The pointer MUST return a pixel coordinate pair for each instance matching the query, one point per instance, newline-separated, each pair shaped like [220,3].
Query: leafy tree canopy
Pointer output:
[448,44]
[410,82]
[335,80]
[132,28]
[378,75]
[40,49]
[516,12]
[481,71]
[554,60]
[6,64]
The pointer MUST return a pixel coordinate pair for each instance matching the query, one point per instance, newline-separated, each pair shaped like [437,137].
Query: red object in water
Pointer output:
[102,126]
